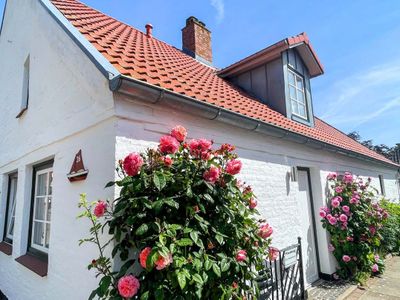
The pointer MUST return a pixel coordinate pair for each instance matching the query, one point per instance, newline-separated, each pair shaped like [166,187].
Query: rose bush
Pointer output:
[354,221]
[183,226]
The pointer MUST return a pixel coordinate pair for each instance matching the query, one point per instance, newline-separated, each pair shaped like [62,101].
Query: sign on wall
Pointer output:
[78,171]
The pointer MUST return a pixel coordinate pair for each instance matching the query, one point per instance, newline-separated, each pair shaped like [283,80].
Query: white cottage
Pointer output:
[72,78]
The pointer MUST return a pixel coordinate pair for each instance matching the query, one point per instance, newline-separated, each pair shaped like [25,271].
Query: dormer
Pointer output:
[279,76]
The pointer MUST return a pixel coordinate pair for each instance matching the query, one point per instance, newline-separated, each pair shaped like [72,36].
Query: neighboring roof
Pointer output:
[301,42]
[155,62]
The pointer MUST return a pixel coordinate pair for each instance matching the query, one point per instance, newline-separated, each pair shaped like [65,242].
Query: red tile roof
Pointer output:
[155,62]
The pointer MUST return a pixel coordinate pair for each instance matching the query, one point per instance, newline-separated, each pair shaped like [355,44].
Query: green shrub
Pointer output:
[355,223]
[391,231]
[185,219]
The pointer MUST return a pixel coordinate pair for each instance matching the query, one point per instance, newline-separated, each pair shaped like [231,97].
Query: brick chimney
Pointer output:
[196,40]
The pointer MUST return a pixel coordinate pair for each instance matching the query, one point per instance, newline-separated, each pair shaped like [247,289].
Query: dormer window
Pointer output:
[297,94]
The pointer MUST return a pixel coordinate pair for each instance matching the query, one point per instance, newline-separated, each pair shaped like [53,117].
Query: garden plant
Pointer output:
[355,221]
[183,226]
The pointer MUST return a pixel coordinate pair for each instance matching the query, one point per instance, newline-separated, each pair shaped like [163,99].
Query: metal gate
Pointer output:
[282,278]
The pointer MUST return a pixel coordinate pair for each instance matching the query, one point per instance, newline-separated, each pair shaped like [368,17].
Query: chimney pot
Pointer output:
[196,40]
[149,30]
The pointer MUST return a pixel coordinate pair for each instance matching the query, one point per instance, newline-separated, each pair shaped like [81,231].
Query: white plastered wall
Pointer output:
[70,108]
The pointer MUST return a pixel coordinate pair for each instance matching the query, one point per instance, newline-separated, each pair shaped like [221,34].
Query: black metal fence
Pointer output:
[283,278]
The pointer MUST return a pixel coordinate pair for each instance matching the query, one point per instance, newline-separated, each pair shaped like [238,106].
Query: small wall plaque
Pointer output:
[78,171]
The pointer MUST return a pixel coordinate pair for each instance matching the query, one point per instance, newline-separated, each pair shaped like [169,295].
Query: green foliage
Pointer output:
[391,230]
[355,223]
[196,226]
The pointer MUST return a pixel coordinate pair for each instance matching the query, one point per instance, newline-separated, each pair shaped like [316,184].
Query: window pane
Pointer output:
[299,82]
[11,208]
[40,208]
[302,110]
[300,97]
[48,209]
[50,183]
[291,78]
[47,239]
[295,108]
[38,233]
[292,92]
[41,185]
[10,230]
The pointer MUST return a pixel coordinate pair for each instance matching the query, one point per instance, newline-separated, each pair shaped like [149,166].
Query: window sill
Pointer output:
[6,248]
[34,264]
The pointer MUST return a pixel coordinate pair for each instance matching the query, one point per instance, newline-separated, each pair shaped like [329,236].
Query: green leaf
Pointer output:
[93,294]
[181,279]
[184,242]
[159,294]
[159,180]
[197,278]
[216,270]
[172,203]
[208,264]
[224,265]
[194,235]
[104,284]
[111,183]
[142,229]
[219,238]
[145,296]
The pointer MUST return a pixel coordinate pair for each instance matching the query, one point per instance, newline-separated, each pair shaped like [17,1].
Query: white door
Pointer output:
[310,265]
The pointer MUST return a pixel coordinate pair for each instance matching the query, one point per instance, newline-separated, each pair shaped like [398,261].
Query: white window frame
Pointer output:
[46,222]
[297,90]
[11,205]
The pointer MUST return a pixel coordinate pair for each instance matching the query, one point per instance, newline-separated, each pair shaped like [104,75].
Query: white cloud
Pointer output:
[363,97]
[220,7]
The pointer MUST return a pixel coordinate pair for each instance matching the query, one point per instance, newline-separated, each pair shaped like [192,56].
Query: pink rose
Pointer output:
[375,268]
[241,255]
[143,256]
[353,200]
[163,262]
[200,148]
[331,176]
[212,174]
[252,203]
[349,238]
[226,148]
[273,253]
[372,230]
[376,257]
[331,248]
[343,218]
[100,208]
[233,167]
[345,208]
[335,202]
[346,258]
[132,164]
[167,161]
[168,144]
[179,132]
[322,213]
[348,177]
[332,221]
[338,189]
[265,231]
[128,286]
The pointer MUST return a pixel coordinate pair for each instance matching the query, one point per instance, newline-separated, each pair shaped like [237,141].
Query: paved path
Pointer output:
[386,286]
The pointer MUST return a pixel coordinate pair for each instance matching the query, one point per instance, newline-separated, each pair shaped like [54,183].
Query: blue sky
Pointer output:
[357,42]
